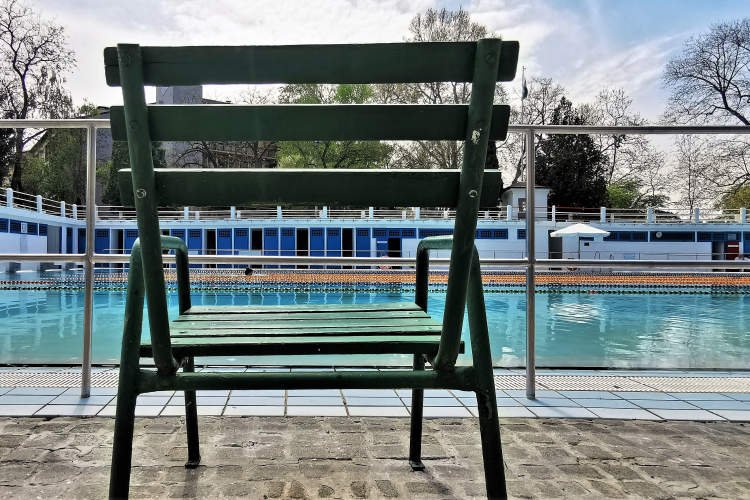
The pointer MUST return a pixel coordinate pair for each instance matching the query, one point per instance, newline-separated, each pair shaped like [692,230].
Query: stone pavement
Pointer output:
[364,457]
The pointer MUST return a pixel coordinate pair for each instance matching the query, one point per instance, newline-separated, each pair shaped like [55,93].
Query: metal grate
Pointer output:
[574,383]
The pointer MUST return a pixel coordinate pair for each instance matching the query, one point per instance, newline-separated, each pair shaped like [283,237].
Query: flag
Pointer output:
[524,89]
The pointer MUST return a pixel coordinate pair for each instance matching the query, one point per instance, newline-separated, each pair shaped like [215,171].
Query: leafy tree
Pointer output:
[61,173]
[33,58]
[629,194]
[108,172]
[331,154]
[571,165]
[437,26]
[739,198]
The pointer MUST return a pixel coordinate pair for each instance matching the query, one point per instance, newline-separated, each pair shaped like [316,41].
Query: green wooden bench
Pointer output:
[314,329]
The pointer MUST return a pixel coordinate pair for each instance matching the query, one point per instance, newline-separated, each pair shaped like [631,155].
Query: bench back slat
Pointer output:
[358,122]
[371,63]
[310,187]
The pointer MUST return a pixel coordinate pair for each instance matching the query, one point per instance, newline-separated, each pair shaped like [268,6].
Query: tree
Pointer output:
[108,172]
[437,26]
[693,172]
[331,154]
[710,80]
[542,98]
[33,59]
[571,165]
[61,172]
[234,154]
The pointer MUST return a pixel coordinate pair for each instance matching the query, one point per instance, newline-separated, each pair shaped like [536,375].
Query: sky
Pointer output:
[585,45]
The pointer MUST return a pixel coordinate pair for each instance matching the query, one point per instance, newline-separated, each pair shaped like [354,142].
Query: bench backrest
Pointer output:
[482,63]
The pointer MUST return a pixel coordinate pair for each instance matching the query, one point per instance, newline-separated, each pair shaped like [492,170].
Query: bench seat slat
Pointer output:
[302,331]
[289,346]
[303,308]
[335,63]
[310,187]
[323,316]
[310,122]
[283,324]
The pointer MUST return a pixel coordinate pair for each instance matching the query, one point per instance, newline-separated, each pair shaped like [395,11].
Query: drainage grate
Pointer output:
[696,384]
[596,383]
[510,382]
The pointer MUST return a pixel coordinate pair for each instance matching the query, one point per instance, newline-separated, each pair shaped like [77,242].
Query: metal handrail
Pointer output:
[530,131]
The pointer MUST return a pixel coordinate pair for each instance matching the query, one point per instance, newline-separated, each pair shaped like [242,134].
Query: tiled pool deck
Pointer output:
[586,394]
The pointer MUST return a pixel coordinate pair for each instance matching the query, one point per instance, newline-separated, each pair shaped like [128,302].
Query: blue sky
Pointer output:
[585,45]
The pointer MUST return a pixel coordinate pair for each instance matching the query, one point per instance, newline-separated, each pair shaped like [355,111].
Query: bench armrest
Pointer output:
[423,265]
[183,273]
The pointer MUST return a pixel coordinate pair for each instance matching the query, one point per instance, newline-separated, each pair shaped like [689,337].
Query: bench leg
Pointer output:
[191,421]
[122,450]
[417,407]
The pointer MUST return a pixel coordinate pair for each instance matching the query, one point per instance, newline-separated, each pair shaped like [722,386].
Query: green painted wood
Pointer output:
[197,318]
[292,346]
[472,172]
[302,308]
[462,378]
[371,63]
[201,318]
[310,122]
[239,331]
[291,187]
[142,178]
[310,323]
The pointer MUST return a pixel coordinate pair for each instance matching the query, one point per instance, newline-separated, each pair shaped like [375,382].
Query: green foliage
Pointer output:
[61,175]
[571,165]
[739,198]
[331,154]
[107,173]
[628,194]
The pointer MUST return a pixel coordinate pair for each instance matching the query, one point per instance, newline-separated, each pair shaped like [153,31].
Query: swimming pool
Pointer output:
[624,330]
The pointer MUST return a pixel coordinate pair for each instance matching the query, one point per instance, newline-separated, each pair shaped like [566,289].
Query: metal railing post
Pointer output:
[39,203]
[530,268]
[88,303]
[9,197]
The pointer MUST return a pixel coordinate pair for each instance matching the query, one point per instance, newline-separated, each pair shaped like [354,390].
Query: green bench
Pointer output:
[314,329]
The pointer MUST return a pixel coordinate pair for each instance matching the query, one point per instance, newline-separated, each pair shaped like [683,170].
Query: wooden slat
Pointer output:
[270,346]
[371,63]
[303,308]
[302,331]
[211,318]
[310,323]
[309,122]
[309,187]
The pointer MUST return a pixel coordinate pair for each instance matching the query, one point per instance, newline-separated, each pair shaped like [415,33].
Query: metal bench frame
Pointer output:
[132,67]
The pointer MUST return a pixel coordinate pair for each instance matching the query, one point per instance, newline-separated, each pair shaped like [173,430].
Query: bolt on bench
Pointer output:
[394,328]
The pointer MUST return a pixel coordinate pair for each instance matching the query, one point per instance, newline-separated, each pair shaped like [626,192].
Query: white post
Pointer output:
[697,215]
[75,212]
[372,212]
[510,212]
[554,213]
[403,214]
[9,197]
[486,214]
[650,215]
[197,215]
[278,213]
[325,213]
[416,213]
[62,209]
[186,211]
[239,214]
[603,217]
[232,212]
[39,203]
[743,215]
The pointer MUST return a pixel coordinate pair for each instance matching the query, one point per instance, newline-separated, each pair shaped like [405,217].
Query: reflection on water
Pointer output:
[573,330]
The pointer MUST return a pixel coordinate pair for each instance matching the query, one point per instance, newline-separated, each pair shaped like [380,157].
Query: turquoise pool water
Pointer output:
[573,330]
